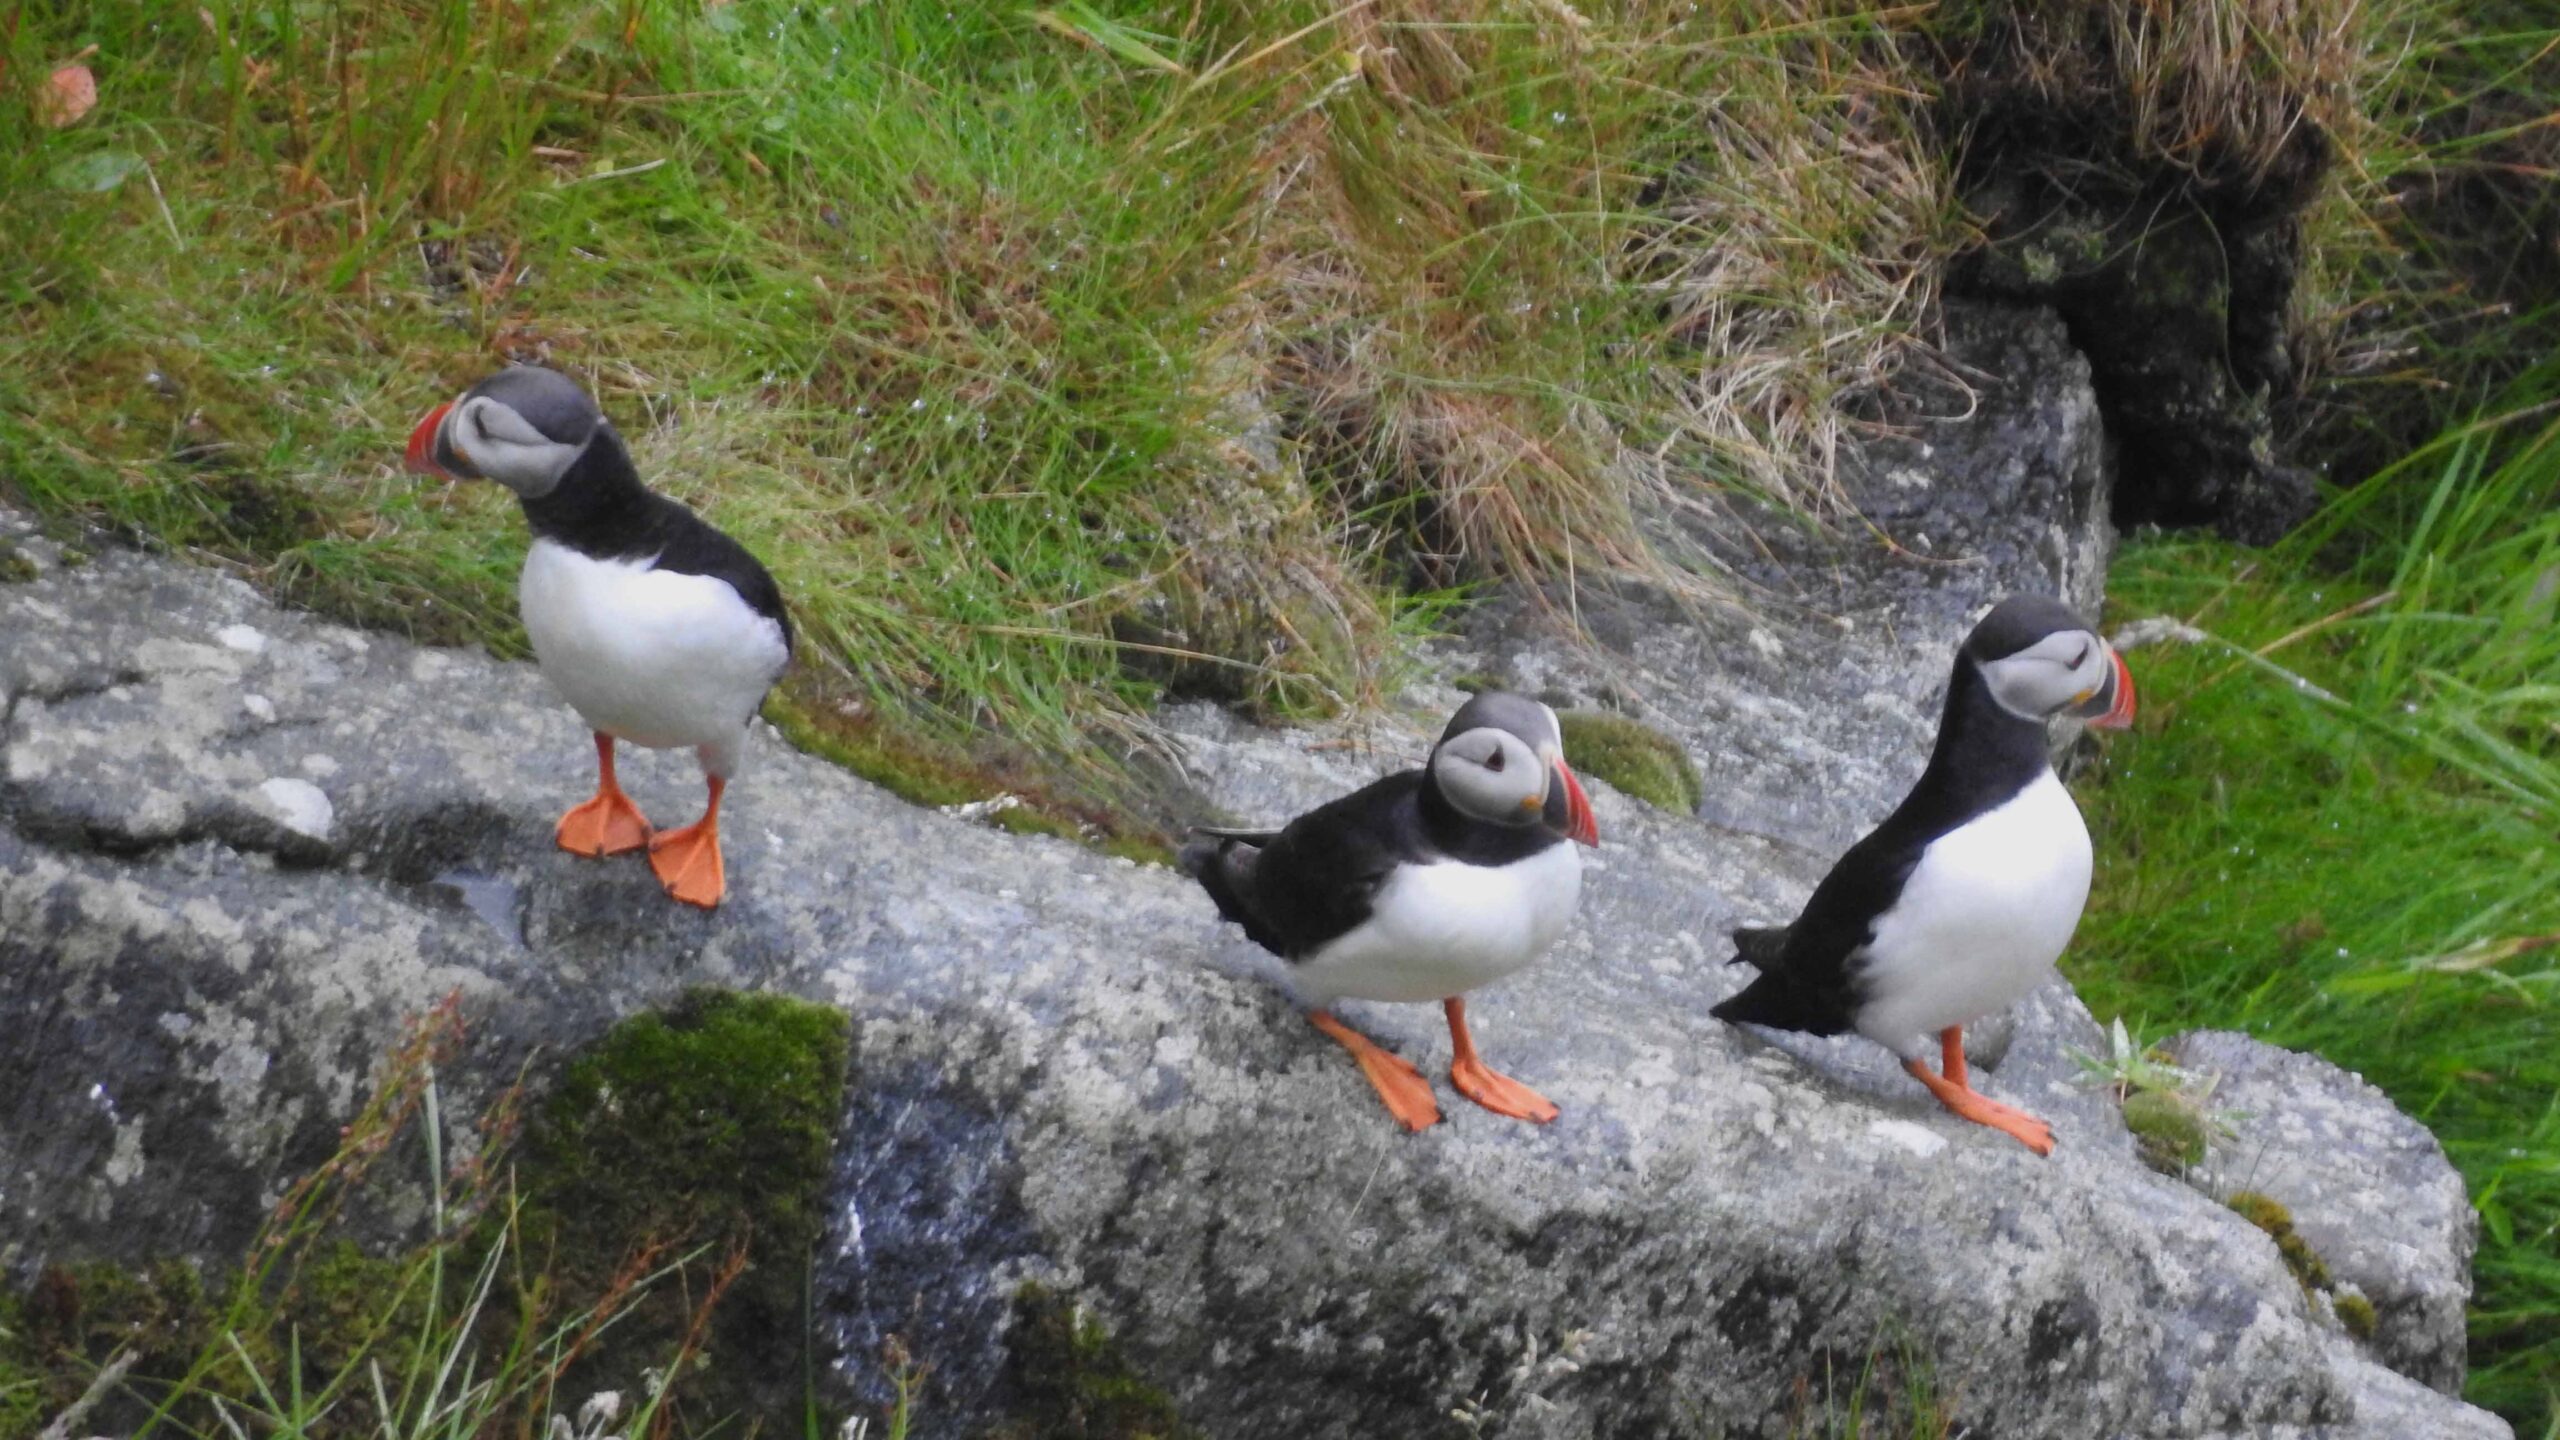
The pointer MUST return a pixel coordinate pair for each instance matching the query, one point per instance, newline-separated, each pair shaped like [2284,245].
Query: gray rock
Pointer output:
[1991,480]
[2389,1406]
[2369,1188]
[1067,1070]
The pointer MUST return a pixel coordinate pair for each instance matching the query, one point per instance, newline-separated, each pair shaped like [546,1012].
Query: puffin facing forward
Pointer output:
[1422,886]
[1960,902]
[655,627]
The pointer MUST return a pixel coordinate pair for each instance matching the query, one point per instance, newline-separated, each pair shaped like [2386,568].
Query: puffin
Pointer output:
[1961,901]
[1422,886]
[656,628]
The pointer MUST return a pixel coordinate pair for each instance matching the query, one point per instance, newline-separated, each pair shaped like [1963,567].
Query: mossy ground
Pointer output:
[1637,759]
[698,1136]
[661,1219]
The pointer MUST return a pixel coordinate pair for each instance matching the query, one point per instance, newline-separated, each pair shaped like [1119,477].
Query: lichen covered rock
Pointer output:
[2367,1189]
[1064,1071]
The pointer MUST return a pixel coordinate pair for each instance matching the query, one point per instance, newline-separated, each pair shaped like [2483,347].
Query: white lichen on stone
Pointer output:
[300,806]
[1920,1140]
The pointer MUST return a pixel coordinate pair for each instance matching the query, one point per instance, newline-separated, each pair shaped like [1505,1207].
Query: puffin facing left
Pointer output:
[655,627]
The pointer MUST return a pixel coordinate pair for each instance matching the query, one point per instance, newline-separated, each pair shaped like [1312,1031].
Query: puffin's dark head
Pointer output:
[522,427]
[2041,660]
[1502,761]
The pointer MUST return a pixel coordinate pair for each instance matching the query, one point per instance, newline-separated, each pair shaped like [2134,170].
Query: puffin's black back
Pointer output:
[1313,881]
[601,510]
[1984,756]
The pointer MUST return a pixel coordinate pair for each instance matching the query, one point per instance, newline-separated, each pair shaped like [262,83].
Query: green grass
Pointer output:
[1051,358]
[2367,868]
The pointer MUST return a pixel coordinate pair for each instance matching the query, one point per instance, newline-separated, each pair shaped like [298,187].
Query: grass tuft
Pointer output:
[2333,827]
[1054,360]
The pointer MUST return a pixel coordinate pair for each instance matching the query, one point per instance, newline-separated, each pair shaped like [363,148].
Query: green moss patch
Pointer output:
[2356,1313]
[16,567]
[1072,1381]
[1632,756]
[2270,1215]
[75,1318]
[2168,1128]
[698,1136]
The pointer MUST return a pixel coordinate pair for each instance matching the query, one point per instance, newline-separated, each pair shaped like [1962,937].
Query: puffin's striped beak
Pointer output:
[1580,823]
[2116,697]
[422,443]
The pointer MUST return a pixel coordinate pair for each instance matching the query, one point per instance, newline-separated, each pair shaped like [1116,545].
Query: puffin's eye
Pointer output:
[1493,762]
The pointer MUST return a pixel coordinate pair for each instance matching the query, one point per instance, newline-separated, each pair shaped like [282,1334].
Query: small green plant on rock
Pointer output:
[2164,1103]
[1639,760]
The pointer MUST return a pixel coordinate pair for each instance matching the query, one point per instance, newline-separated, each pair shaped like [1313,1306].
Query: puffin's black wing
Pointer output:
[1807,977]
[1313,881]
[693,546]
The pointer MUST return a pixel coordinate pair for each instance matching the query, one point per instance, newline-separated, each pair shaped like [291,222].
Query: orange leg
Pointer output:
[609,824]
[1407,1094]
[687,861]
[1951,1055]
[1483,1084]
[1957,1095]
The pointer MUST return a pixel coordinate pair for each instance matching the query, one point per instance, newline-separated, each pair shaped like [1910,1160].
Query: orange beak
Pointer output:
[2119,715]
[422,443]
[1580,823]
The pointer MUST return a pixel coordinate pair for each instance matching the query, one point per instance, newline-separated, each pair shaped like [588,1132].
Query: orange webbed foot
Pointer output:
[1482,1083]
[1406,1094]
[2018,1125]
[687,863]
[609,824]
[1500,1093]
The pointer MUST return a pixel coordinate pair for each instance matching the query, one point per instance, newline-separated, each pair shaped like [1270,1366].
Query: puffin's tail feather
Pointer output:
[1213,862]
[1774,1000]
[1758,945]
[1774,997]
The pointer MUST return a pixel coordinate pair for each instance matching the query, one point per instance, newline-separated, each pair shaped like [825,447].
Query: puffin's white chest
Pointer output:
[1980,922]
[1446,928]
[650,656]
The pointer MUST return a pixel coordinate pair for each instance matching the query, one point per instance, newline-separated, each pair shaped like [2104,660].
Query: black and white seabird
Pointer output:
[1423,886]
[1960,902]
[655,627]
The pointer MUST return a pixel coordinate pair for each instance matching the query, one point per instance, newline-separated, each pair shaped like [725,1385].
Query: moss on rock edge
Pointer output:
[1632,756]
[2269,1214]
[706,1129]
